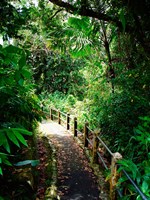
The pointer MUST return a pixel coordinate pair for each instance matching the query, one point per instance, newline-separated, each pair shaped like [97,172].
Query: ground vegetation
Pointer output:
[85,57]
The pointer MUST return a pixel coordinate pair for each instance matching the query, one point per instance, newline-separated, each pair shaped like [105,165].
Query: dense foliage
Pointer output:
[57,72]
[19,105]
[92,60]
[116,52]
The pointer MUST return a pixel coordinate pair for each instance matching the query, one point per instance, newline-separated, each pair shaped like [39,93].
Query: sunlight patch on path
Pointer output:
[52,128]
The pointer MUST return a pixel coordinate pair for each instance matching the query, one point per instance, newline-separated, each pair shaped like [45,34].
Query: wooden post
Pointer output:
[51,114]
[86,134]
[59,119]
[75,127]
[114,175]
[95,148]
[68,121]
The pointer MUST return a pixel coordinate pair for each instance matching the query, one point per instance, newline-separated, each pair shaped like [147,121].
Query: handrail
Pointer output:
[63,113]
[99,155]
[106,147]
[90,142]
[96,153]
[63,120]
[79,132]
[135,186]
[55,115]
[70,117]
[91,131]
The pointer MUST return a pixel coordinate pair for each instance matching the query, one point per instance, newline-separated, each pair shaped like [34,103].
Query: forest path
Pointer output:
[76,179]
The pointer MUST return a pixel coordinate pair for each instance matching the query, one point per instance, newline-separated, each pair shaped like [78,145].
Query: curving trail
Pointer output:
[75,178]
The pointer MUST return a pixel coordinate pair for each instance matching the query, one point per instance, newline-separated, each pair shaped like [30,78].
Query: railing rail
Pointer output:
[92,140]
[106,147]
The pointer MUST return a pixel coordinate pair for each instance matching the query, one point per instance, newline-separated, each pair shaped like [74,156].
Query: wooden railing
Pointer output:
[92,141]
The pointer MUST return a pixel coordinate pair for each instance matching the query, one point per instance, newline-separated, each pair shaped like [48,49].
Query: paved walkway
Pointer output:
[76,180]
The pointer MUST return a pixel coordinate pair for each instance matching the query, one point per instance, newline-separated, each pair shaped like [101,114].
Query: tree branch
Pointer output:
[55,13]
[83,11]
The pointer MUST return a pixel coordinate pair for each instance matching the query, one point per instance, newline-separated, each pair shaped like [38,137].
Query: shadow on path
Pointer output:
[76,180]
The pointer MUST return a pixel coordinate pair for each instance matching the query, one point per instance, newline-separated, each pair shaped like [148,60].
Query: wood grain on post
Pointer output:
[114,175]
[86,134]
[51,113]
[75,127]
[95,148]
[68,121]
[59,120]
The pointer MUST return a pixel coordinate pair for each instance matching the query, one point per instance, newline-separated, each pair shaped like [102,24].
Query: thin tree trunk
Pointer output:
[110,69]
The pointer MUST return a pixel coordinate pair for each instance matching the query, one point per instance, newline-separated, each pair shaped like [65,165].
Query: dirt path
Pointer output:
[75,178]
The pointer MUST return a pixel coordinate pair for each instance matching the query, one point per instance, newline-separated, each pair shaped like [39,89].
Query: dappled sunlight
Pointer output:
[52,128]
[73,169]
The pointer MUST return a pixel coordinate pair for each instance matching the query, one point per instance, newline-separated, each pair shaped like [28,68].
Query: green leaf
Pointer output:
[1,198]
[4,141]
[146,118]
[144,186]
[5,161]
[13,134]
[138,197]
[129,166]
[1,172]
[138,131]
[20,137]
[84,51]
[3,155]
[26,74]
[17,75]
[13,49]
[22,61]
[23,131]
[141,128]
[13,138]
[1,137]
[122,179]
[33,163]
[21,82]
[82,24]
[123,21]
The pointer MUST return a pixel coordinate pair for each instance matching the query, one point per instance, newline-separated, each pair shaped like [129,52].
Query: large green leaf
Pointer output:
[27,162]
[21,82]
[4,141]
[82,24]
[12,137]
[17,75]
[22,61]
[4,160]
[13,49]
[82,52]
[1,173]
[129,166]
[20,137]
[145,186]
[23,131]
[26,74]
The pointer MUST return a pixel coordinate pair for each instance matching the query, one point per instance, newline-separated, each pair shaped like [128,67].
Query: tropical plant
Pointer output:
[139,167]
[92,59]
[19,107]
[53,72]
